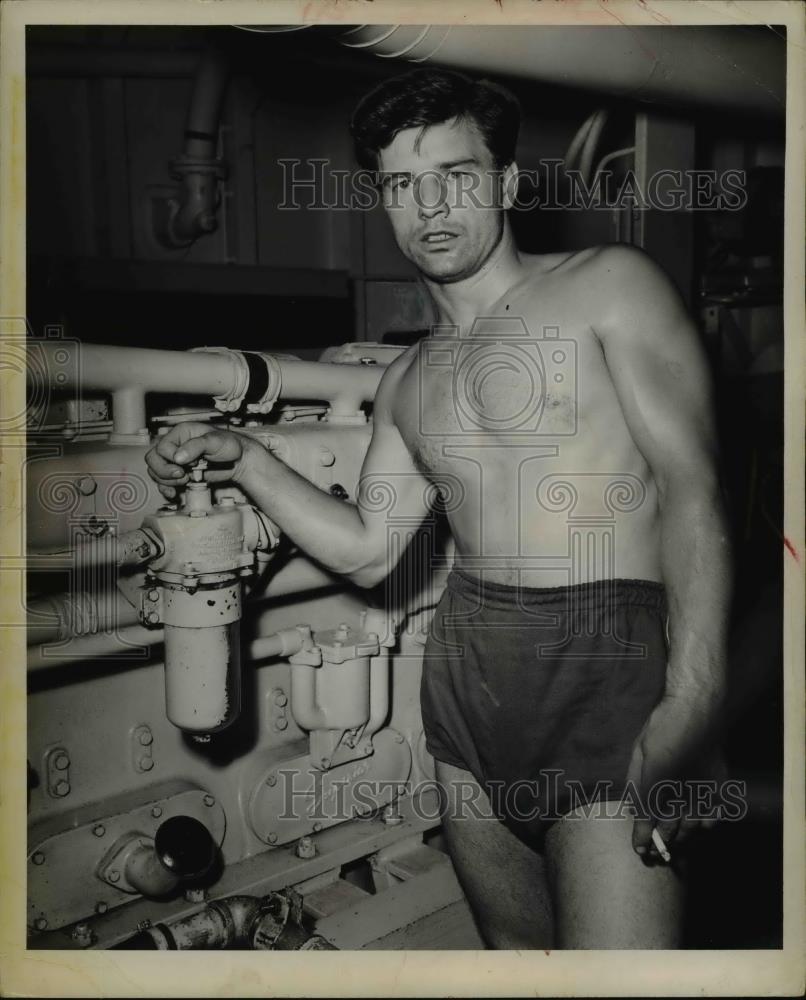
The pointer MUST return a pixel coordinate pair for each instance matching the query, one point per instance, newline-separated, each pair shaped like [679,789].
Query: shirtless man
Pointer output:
[567,395]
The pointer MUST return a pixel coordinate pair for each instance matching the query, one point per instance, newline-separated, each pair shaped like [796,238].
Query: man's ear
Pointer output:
[509,185]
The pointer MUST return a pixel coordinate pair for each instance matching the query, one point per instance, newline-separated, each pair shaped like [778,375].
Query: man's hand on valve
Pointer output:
[676,745]
[225,452]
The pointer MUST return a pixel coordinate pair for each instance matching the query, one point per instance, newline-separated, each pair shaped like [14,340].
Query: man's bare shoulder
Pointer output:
[390,382]
[616,260]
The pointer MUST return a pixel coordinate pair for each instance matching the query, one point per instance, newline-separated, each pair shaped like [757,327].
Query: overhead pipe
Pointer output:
[732,67]
[232,378]
[197,166]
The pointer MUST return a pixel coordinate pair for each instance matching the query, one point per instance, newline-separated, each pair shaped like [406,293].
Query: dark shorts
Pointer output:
[541,693]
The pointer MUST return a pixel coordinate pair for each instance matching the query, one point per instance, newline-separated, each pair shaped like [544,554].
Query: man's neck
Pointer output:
[460,303]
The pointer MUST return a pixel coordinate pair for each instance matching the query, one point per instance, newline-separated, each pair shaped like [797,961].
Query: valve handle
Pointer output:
[185,847]
[197,471]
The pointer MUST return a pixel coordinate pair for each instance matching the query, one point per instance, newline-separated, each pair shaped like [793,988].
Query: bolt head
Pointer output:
[153,594]
[101,907]
[146,738]
[152,618]
[61,762]
[271,781]
[209,800]
[38,858]
[156,812]
[82,935]
[281,699]
[317,827]
[99,830]
[114,876]
[306,848]
[145,763]
[40,923]
[62,788]
[281,724]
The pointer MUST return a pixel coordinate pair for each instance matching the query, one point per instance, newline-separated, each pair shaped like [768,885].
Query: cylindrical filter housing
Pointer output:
[202,657]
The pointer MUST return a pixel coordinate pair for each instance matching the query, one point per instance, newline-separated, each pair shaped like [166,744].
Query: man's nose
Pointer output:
[430,193]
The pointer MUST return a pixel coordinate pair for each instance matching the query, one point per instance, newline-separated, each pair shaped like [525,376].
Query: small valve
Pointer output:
[197,471]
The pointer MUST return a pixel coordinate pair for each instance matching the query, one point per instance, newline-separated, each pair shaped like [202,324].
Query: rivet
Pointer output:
[281,724]
[99,830]
[38,858]
[317,827]
[271,781]
[153,595]
[272,838]
[114,876]
[209,800]
[281,699]
[146,739]
[101,907]
[40,923]
[156,812]
[145,763]
[152,618]
[61,762]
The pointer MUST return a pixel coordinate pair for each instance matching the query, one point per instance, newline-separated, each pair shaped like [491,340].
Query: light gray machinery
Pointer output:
[219,730]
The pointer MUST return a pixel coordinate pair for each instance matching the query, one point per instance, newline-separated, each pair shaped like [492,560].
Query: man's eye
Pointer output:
[400,183]
[457,173]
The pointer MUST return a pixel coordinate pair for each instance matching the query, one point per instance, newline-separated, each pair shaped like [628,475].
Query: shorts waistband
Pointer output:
[578,596]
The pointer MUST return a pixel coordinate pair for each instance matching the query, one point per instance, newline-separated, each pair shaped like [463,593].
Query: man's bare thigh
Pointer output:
[604,895]
[504,880]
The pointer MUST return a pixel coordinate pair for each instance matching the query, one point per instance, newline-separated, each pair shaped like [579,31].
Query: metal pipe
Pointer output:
[307,714]
[378,691]
[139,370]
[112,630]
[197,167]
[262,924]
[286,642]
[61,617]
[732,67]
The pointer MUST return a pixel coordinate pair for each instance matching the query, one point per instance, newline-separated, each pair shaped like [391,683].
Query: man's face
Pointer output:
[443,198]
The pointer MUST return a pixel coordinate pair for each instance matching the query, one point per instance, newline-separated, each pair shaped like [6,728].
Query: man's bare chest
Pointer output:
[503,388]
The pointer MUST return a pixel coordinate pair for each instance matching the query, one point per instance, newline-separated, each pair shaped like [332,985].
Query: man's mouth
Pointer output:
[443,236]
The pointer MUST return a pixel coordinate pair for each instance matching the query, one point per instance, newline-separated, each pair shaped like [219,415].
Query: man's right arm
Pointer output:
[352,540]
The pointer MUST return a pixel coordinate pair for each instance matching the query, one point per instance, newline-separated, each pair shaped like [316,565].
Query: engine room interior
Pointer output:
[224,739]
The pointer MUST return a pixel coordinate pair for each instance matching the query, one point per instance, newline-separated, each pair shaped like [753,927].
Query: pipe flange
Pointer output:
[257,384]
[231,401]
[182,165]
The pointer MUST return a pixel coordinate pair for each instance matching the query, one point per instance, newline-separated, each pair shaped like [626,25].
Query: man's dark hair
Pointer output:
[428,97]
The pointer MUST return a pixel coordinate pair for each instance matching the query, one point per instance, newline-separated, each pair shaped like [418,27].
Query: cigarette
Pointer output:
[663,850]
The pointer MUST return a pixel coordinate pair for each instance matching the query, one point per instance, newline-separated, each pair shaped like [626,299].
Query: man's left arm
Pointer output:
[661,376]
